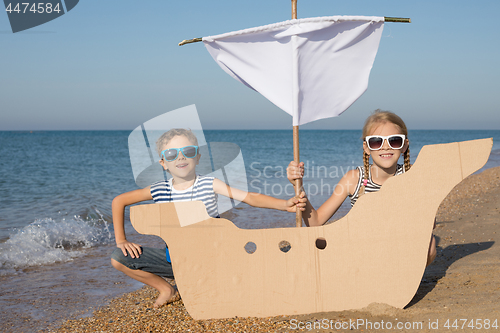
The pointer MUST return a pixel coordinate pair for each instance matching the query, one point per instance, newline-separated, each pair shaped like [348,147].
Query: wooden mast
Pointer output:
[294,9]
[296,151]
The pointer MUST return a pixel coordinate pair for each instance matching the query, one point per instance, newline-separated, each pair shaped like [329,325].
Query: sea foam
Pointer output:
[47,241]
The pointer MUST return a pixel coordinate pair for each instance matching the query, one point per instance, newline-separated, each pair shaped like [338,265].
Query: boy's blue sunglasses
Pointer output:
[171,154]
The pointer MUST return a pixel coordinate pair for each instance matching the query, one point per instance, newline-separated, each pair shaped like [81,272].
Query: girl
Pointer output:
[385,138]
[178,150]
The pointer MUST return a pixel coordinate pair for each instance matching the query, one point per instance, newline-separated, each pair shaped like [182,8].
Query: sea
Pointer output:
[56,188]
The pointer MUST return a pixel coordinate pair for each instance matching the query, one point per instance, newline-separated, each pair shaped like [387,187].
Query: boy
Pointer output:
[178,150]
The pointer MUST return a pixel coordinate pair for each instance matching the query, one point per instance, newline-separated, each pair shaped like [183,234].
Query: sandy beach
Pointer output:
[460,290]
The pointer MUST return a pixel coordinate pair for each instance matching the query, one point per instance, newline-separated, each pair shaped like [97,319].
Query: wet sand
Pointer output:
[460,288]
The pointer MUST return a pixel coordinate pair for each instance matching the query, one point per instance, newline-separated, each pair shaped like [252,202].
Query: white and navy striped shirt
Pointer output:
[370,185]
[202,190]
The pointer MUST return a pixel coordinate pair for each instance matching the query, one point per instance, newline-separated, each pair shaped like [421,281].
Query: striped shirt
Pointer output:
[370,185]
[202,190]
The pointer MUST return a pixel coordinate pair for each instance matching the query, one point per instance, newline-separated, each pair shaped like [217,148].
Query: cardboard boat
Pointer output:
[376,253]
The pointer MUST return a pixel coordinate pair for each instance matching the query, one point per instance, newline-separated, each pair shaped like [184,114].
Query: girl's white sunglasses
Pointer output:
[375,142]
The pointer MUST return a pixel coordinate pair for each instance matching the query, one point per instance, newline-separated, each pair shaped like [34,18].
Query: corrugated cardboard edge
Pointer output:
[376,253]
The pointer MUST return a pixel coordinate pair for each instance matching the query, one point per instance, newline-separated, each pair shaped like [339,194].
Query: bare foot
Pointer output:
[167,297]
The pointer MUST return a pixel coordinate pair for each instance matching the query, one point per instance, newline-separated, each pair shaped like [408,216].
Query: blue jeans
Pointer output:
[151,260]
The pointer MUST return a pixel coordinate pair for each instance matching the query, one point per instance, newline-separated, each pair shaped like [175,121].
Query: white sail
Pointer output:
[311,68]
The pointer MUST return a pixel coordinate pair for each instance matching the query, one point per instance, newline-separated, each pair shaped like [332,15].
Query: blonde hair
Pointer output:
[165,138]
[381,117]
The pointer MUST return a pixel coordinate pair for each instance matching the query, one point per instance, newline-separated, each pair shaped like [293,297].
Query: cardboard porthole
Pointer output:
[285,246]
[250,247]
[321,243]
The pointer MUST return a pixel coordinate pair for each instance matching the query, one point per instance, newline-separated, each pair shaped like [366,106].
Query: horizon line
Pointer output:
[248,129]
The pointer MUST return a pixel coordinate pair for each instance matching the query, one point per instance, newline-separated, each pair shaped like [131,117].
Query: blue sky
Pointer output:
[115,64]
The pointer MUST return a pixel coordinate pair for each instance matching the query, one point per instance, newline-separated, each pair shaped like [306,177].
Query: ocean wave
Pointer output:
[46,241]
